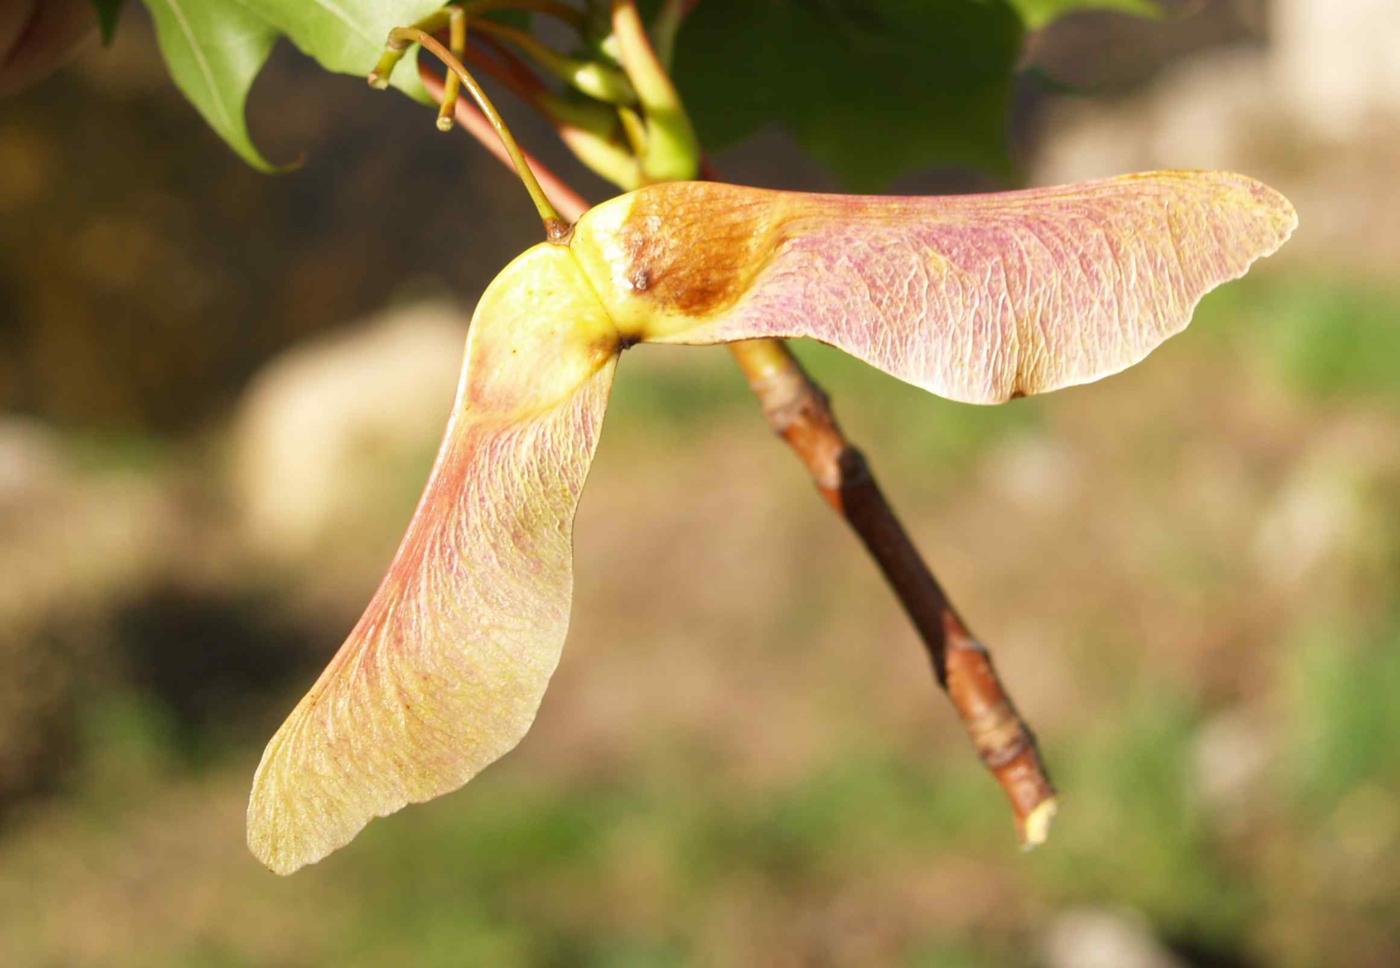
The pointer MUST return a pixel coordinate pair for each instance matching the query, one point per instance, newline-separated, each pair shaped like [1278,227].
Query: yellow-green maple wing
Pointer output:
[977,298]
[445,670]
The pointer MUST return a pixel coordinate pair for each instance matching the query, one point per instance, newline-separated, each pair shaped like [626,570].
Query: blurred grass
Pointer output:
[1325,338]
[880,842]
[1347,718]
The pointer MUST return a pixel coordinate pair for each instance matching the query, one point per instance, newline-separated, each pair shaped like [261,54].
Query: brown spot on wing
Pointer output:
[695,248]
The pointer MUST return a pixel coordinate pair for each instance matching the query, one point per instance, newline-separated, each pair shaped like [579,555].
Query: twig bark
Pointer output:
[799,411]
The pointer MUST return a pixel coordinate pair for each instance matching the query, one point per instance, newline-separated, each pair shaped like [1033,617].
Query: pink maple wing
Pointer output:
[446,668]
[977,298]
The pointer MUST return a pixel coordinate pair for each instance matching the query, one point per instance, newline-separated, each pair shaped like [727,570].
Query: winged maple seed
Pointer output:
[976,298]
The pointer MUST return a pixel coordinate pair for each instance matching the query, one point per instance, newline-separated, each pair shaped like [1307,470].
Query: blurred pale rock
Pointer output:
[1330,72]
[334,439]
[1230,757]
[30,463]
[1326,516]
[1335,64]
[72,543]
[1315,113]
[1101,938]
[71,537]
[1200,115]
[1037,474]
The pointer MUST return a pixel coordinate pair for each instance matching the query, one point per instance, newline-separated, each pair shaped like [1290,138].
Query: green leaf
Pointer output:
[214,49]
[1038,13]
[346,36]
[107,11]
[872,89]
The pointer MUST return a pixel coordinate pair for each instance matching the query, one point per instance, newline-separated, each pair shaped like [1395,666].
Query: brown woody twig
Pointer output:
[800,412]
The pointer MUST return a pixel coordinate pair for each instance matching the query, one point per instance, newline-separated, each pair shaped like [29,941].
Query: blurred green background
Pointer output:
[221,395]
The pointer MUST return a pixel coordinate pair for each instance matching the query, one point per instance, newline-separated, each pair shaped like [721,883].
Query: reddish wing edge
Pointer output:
[448,664]
[446,668]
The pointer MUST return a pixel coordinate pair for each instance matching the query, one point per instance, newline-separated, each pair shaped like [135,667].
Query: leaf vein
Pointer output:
[205,70]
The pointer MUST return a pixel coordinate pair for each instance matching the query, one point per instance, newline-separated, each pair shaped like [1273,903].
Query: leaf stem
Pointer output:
[502,63]
[597,80]
[672,152]
[476,124]
[556,229]
[457,43]
[669,17]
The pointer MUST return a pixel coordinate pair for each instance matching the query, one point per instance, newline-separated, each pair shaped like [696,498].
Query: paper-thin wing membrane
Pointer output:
[977,298]
[446,669]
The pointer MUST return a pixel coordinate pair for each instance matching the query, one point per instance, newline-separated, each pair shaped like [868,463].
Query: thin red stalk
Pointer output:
[504,65]
[559,11]
[799,411]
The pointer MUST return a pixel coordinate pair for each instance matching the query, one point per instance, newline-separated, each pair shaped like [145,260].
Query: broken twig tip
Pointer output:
[1036,827]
